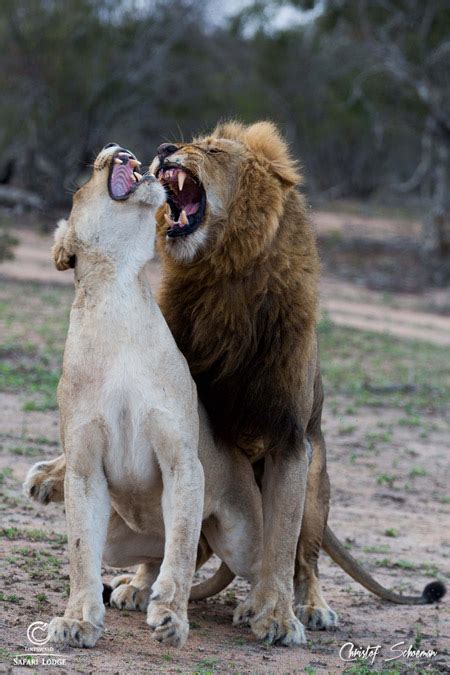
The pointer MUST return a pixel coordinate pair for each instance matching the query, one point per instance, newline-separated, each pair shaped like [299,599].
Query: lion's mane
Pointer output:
[244,312]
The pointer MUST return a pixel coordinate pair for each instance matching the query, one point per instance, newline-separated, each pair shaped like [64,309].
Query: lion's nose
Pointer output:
[166,149]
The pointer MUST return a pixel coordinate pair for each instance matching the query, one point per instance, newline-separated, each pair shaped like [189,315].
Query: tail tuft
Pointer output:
[434,591]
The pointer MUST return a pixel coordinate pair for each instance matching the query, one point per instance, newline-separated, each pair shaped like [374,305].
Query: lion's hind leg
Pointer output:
[310,605]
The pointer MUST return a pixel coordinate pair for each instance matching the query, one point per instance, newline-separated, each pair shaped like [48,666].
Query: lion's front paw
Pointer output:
[166,625]
[278,625]
[271,619]
[44,484]
[73,633]
[126,596]
[317,618]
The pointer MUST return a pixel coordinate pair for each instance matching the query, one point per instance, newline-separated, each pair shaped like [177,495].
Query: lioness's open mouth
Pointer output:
[123,178]
[186,198]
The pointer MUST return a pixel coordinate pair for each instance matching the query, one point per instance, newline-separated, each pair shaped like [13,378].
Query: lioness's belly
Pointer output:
[134,478]
[141,511]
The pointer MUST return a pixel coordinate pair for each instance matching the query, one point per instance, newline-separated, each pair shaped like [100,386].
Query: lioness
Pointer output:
[130,424]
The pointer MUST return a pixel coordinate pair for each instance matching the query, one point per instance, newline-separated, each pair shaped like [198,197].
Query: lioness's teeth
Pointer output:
[181,179]
[169,220]
[137,175]
[117,161]
[134,163]
[184,220]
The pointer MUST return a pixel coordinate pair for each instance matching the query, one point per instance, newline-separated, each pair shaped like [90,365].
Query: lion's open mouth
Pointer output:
[123,178]
[186,198]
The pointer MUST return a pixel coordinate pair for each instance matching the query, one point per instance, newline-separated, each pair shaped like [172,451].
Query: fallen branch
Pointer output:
[390,388]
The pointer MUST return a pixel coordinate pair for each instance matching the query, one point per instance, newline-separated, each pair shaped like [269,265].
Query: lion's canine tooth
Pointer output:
[138,175]
[184,220]
[169,220]
[117,160]
[181,179]
[134,163]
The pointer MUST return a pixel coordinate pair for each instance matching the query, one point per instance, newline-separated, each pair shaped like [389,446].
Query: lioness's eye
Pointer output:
[213,150]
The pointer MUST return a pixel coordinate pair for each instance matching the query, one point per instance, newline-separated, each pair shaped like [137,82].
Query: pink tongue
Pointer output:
[191,208]
[121,179]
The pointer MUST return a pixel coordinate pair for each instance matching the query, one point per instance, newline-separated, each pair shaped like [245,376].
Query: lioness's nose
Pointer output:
[109,145]
[166,149]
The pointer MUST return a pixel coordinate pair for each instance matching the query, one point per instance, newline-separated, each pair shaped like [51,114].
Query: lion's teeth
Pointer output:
[184,220]
[137,175]
[181,179]
[134,163]
[117,161]
[169,220]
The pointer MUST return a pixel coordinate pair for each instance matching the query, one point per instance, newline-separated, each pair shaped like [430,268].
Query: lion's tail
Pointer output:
[331,544]
[220,580]
[432,592]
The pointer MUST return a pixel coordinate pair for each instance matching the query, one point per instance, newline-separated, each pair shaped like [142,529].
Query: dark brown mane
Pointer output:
[244,314]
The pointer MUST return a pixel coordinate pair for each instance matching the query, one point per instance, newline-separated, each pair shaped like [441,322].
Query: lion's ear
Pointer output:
[63,249]
[265,141]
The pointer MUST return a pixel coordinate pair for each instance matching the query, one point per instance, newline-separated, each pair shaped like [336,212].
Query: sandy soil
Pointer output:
[389,503]
[362,512]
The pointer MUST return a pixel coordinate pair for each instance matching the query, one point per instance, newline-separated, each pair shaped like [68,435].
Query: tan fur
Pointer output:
[133,485]
[240,296]
[242,306]
[246,278]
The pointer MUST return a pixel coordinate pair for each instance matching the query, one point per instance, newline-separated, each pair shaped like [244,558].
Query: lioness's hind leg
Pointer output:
[133,592]
[45,481]
[310,605]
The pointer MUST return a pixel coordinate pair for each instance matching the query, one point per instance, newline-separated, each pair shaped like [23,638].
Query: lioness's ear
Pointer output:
[265,141]
[63,249]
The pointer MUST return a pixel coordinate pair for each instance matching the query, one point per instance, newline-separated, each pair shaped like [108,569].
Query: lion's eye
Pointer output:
[213,150]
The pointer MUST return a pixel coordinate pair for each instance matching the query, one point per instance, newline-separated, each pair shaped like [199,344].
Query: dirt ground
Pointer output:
[388,462]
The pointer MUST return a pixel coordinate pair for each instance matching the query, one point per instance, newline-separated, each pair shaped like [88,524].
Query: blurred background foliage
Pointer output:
[360,88]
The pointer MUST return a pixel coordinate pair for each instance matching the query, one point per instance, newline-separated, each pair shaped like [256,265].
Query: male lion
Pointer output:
[239,292]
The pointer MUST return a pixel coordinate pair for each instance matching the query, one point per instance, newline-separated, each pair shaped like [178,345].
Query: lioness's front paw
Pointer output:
[73,633]
[317,618]
[129,597]
[43,484]
[167,626]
